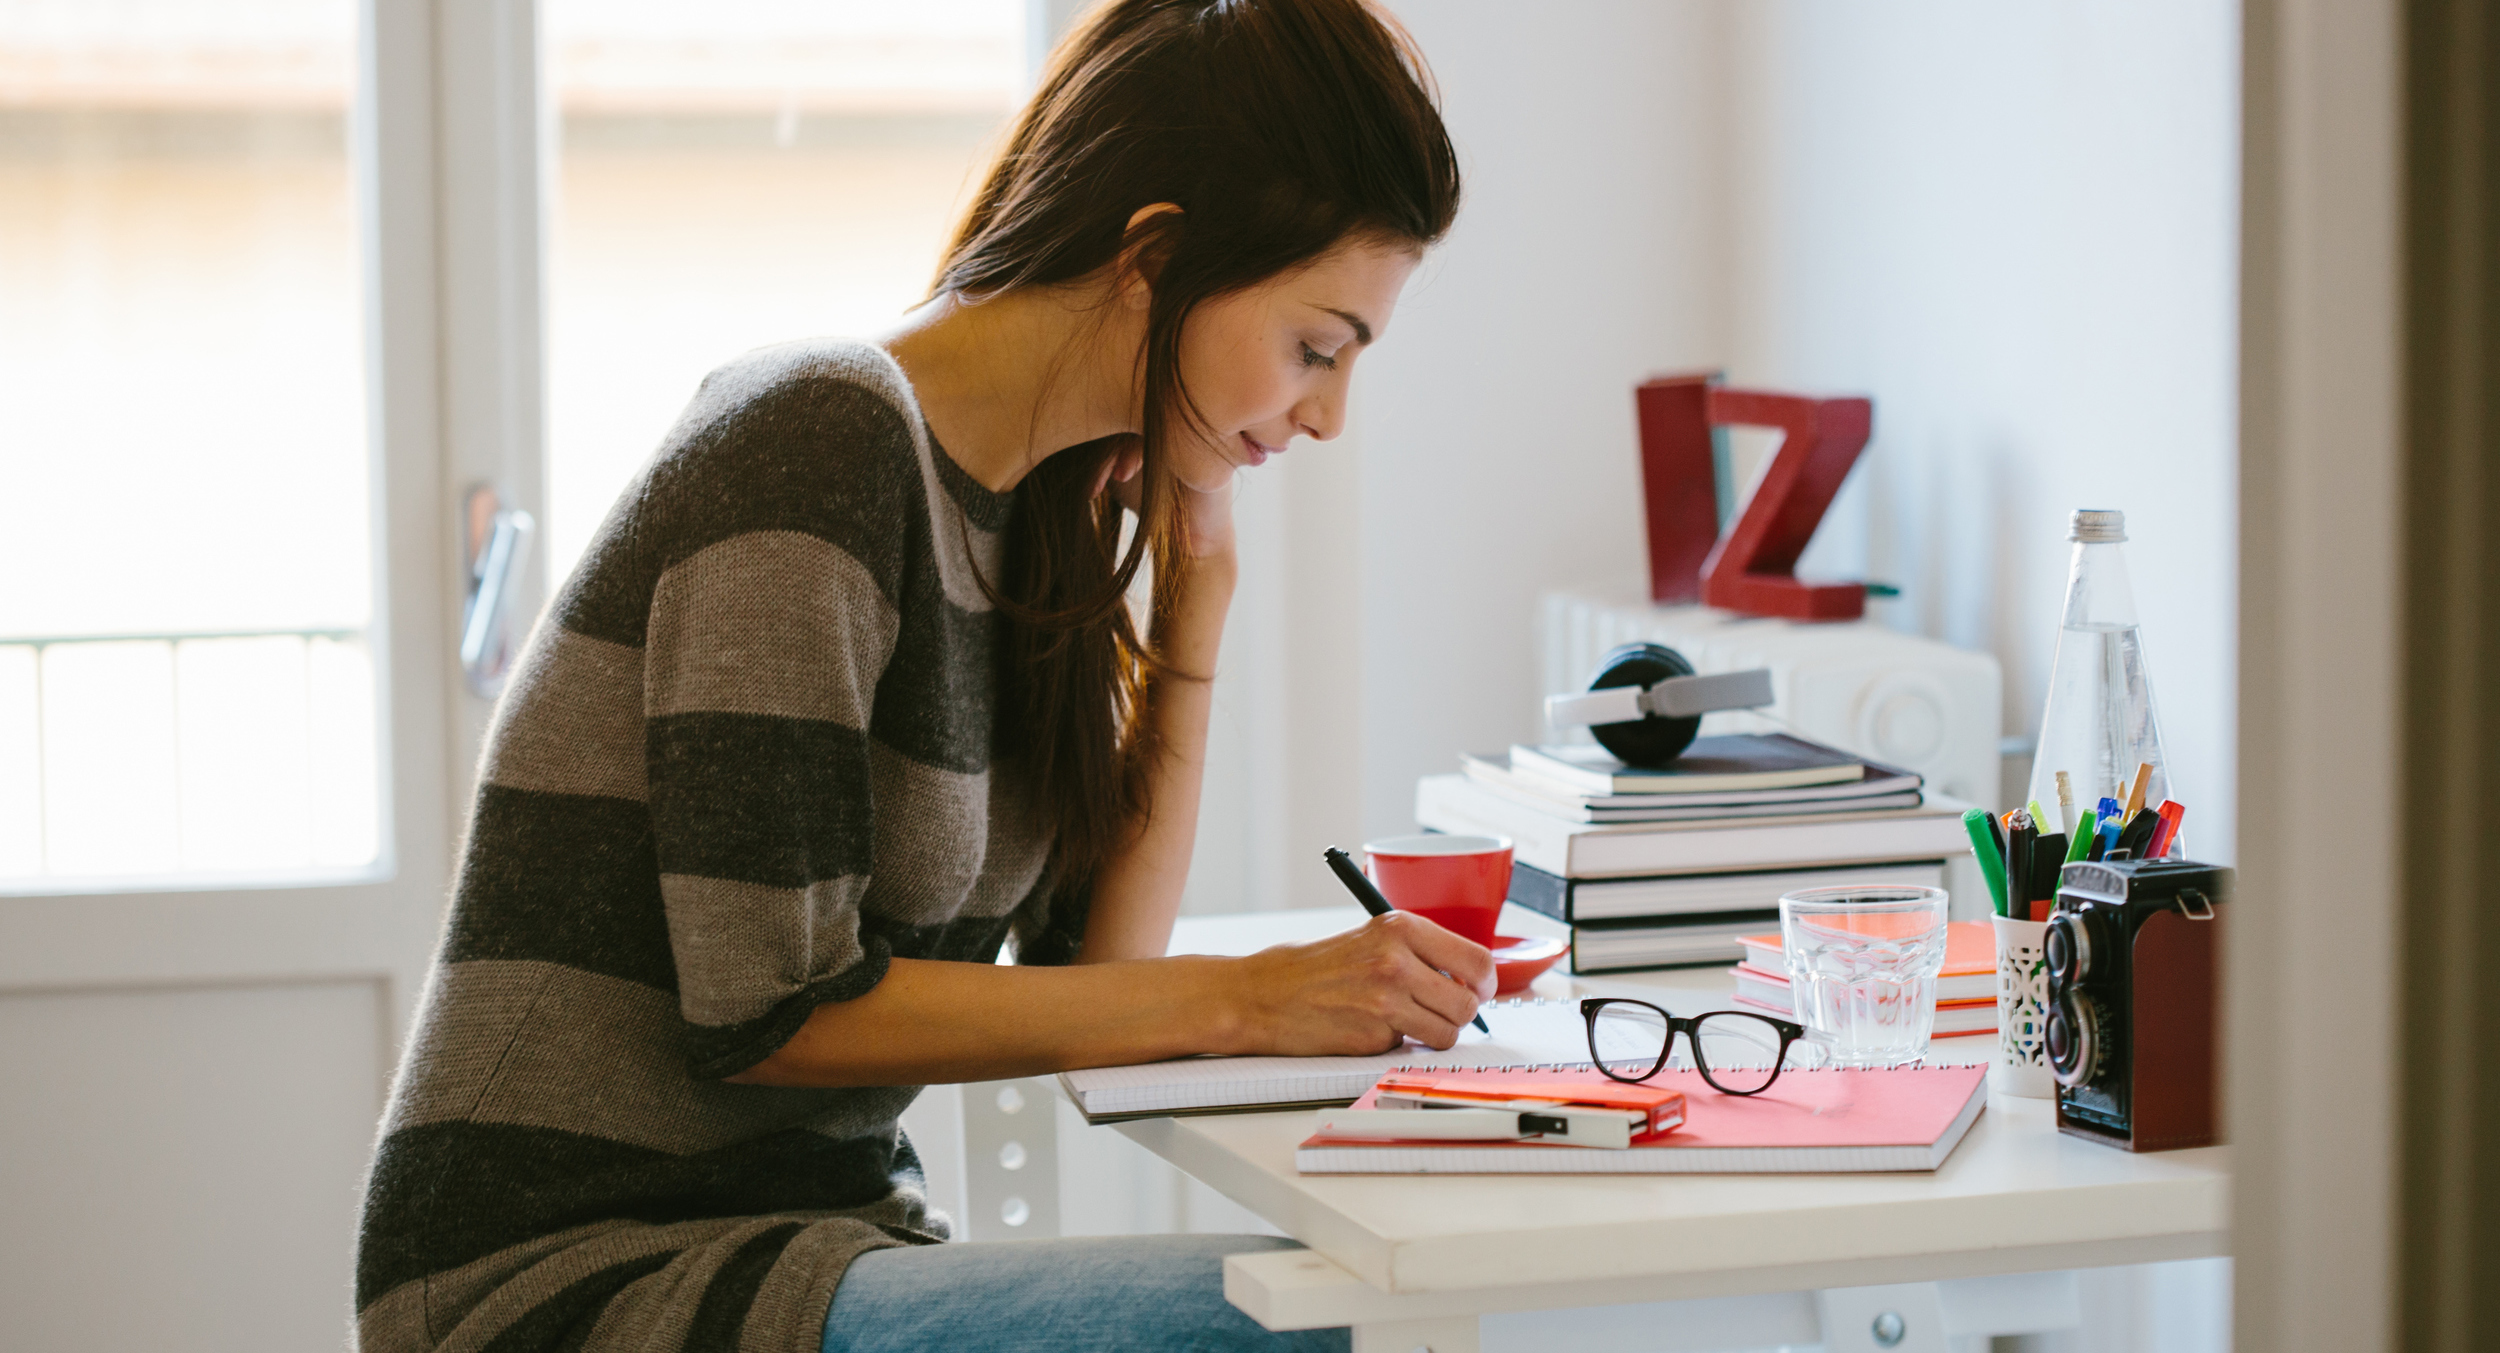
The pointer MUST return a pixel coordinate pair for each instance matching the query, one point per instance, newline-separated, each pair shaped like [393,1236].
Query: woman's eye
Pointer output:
[1313,357]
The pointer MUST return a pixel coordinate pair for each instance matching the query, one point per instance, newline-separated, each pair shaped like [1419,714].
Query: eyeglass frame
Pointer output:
[1789,1031]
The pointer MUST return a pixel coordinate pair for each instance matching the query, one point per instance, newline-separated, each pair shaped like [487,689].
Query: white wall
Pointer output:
[1284,749]
[1384,622]
[1495,423]
[2012,226]
[2015,226]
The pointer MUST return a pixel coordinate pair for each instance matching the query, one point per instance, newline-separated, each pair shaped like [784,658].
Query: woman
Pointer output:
[846,695]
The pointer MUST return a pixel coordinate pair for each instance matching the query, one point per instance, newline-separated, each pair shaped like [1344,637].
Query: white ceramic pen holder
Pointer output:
[2022,1064]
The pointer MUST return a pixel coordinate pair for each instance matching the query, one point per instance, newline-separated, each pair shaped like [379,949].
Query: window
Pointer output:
[186,685]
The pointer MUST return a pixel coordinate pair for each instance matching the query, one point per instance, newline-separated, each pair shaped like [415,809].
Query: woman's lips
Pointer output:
[1259,450]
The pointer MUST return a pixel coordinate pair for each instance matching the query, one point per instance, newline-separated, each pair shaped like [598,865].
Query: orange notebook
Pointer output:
[1811,1122]
[1970,960]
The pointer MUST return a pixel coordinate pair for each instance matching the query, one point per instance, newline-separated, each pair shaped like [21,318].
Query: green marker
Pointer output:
[1983,847]
[2039,820]
[2079,843]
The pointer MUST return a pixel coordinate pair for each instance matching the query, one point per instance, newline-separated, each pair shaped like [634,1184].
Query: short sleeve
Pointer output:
[772,620]
[764,651]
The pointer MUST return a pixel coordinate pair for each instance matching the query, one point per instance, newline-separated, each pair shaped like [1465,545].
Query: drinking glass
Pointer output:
[1862,965]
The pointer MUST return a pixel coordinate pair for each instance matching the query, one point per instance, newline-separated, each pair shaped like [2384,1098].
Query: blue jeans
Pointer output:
[1114,1294]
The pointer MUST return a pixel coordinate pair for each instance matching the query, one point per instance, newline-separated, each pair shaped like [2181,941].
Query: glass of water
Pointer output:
[1862,965]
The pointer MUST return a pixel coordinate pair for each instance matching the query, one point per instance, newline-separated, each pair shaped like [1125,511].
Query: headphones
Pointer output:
[1645,704]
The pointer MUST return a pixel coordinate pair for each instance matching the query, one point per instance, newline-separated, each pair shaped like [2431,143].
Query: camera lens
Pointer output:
[2072,1035]
[2068,947]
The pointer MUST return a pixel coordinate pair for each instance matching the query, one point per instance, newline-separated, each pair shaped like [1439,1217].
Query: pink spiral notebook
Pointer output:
[1811,1122]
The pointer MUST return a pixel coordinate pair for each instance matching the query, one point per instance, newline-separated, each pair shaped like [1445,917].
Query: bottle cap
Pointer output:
[2098,526]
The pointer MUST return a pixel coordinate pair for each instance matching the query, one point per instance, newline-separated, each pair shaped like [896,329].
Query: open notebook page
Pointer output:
[1524,1032]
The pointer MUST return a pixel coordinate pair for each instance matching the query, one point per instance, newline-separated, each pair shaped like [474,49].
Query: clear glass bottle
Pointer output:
[2100,722]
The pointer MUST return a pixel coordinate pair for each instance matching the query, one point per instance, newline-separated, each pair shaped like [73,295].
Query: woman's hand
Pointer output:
[1206,517]
[1361,992]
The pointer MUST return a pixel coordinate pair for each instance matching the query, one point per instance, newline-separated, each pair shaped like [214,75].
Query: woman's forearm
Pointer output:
[931,1022]
[1137,890]
[935,1023]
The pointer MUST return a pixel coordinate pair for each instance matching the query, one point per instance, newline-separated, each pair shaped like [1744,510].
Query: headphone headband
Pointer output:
[1646,703]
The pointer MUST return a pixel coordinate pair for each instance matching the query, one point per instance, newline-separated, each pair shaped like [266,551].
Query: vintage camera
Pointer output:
[2134,956]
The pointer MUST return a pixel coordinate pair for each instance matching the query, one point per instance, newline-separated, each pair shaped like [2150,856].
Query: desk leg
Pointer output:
[1440,1334]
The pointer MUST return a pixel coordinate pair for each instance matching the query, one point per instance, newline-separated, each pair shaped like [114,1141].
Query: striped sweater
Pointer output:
[745,761]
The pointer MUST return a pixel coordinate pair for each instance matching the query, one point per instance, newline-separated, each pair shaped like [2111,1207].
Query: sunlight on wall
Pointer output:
[673,256]
[731,177]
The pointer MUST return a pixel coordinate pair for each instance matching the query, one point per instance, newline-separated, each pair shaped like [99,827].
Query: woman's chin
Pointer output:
[1208,470]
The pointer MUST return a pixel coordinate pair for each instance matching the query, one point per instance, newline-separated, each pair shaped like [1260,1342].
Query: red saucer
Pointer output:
[1517,962]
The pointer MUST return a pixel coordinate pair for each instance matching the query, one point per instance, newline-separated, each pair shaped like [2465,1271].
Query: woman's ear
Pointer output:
[1147,242]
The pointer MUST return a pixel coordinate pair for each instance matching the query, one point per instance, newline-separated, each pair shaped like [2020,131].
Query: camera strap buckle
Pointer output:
[2195,906]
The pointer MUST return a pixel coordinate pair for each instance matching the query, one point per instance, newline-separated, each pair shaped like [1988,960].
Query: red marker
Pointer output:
[2171,811]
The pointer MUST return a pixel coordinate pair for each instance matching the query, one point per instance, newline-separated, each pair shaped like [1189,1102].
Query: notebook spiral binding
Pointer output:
[1440,1069]
[1591,1066]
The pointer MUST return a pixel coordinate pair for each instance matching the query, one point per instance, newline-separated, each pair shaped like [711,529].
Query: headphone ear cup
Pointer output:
[1653,742]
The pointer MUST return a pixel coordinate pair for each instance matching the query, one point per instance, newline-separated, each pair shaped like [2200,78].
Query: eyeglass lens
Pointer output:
[1628,1039]
[1739,1053]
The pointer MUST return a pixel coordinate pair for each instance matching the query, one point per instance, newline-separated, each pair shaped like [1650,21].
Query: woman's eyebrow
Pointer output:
[1362,331]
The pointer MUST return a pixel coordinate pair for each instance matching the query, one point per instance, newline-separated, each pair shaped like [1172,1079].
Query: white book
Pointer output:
[1560,803]
[1523,1031]
[1713,765]
[1455,803]
[1497,769]
[1582,901]
[1616,948]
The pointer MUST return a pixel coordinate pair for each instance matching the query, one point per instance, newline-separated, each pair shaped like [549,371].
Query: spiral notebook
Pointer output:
[1523,1031]
[1811,1122]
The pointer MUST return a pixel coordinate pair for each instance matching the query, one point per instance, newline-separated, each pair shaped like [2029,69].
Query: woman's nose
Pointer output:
[1322,416]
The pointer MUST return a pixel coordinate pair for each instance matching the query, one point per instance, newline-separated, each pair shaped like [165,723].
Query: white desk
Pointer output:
[1413,1261]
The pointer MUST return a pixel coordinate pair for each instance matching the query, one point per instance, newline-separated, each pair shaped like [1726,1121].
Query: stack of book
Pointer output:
[1655,868]
[1966,992]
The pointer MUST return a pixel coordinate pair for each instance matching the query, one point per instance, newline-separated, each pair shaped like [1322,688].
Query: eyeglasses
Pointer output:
[1736,1052]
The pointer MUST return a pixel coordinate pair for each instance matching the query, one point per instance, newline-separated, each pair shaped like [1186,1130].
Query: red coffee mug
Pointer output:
[1457,882]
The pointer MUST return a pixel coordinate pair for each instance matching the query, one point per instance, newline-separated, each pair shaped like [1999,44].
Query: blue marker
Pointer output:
[2109,837]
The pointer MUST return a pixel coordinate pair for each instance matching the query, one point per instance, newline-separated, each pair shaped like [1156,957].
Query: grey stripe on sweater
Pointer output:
[745,762]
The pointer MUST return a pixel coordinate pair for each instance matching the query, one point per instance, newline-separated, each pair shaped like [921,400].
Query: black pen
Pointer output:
[2019,870]
[1352,877]
[2048,859]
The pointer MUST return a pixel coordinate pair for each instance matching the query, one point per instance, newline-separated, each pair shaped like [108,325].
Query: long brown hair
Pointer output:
[1281,128]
